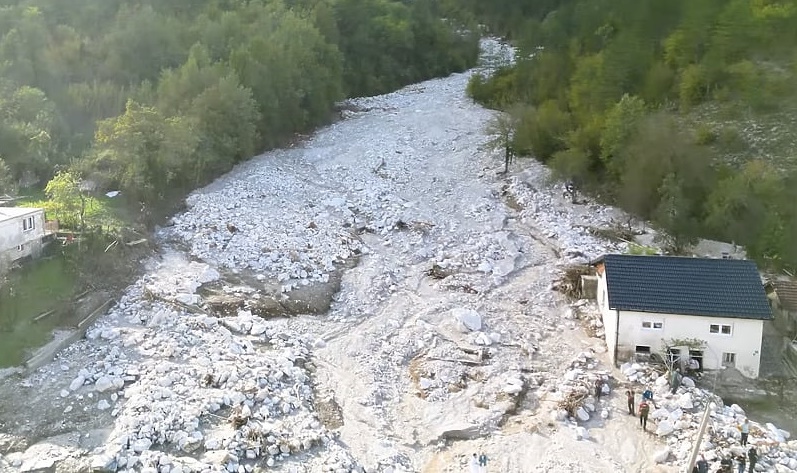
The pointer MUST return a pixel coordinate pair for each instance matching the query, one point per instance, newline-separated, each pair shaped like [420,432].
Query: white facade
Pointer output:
[728,341]
[21,233]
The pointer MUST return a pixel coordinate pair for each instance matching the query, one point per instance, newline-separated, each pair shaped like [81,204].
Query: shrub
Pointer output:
[704,135]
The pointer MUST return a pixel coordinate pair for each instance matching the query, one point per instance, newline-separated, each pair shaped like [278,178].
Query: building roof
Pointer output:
[7,213]
[687,286]
[787,294]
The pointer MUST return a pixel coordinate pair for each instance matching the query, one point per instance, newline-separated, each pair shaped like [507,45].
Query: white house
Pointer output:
[648,302]
[22,230]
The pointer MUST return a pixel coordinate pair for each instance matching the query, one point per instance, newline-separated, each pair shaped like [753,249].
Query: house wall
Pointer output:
[12,237]
[744,340]
[785,320]
[609,316]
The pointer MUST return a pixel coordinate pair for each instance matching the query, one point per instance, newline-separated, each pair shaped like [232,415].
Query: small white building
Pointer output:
[648,302]
[22,230]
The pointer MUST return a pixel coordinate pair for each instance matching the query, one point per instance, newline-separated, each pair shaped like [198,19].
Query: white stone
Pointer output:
[102,462]
[64,393]
[582,433]
[664,427]
[141,445]
[208,275]
[513,389]
[104,383]
[103,405]
[187,299]
[77,383]
[258,328]
[469,320]
[582,414]
[662,455]
[688,382]
[685,401]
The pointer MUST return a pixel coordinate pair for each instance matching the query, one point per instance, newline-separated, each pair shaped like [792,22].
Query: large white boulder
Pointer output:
[685,401]
[105,383]
[664,427]
[77,383]
[468,319]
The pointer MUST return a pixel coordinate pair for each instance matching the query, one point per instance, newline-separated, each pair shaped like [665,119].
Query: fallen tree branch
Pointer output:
[187,307]
[463,361]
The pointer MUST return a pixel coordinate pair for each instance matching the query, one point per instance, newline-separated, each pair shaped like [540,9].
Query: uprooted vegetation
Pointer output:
[569,281]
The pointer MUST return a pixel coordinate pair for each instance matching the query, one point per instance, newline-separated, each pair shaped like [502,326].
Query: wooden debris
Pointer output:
[573,401]
[43,315]
[569,283]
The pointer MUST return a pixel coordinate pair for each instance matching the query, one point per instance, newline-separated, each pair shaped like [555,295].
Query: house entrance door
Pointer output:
[697,356]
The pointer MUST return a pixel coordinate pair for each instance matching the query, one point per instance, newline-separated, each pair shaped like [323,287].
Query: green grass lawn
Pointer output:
[109,213]
[34,289]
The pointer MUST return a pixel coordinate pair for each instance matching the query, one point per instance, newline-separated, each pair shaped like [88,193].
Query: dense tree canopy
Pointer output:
[157,97]
[608,85]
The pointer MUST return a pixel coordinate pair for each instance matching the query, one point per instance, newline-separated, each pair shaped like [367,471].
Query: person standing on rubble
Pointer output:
[745,430]
[702,465]
[675,381]
[482,463]
[644,409]
[629,394]
[648,395]
[741,462]
[598,388]
[474,464]
[752,455]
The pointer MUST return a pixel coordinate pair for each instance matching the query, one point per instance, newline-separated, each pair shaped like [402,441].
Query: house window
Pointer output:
[722,329]
[28,224]
[642,349]
[649,325]
[729,359]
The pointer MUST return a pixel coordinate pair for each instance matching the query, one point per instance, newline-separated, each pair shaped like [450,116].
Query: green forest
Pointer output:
[681,112]
[155,98]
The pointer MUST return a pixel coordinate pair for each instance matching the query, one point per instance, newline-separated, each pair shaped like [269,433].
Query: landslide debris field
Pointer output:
[377,298]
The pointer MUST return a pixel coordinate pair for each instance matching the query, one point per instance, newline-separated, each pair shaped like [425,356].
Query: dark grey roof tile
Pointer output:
[688,286]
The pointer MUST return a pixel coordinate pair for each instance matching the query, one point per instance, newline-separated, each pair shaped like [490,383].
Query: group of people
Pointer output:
[644,406]
[726,463]
[478,463]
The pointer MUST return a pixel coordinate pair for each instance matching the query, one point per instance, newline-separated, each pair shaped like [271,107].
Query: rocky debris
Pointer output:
[677,418]
[231,390]
[567,225]
[205,393]
[575,394]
